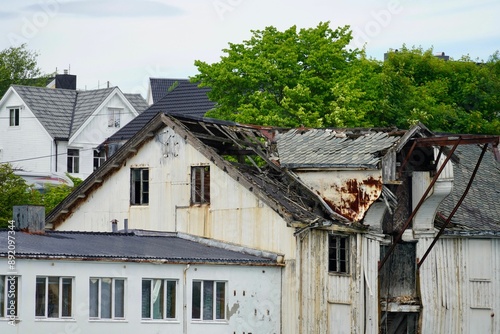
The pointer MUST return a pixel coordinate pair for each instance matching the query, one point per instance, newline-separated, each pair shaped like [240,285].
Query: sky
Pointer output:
[125,42]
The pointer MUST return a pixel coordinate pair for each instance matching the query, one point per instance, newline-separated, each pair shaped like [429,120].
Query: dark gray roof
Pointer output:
[320,148]
[63,111]
[187,99]
[168,247]
[160,86]
[52,107]
[137,101]
[480,211]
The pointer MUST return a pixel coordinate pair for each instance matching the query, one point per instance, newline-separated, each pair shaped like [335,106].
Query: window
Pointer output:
[14,116]
[53,297]
[9,290]
[209,299]
[139,186]
[107,298]
[338,254]
[73,161]
[99,158]
[158,299]
[114,117]
[200,184]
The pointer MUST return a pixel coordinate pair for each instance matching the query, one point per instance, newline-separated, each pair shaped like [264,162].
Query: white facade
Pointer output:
[252,297]
[30,147]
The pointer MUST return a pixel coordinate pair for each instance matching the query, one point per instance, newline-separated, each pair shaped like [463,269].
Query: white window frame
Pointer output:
[75,161]
[213,308]
[113,310]
[9,292]
[114,118]
[60,280]
[99,157]
[14,116]
[165,295]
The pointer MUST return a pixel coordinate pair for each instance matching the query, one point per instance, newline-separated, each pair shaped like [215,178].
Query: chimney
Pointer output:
[114,225]
[30,217]
[125,225]
[66,81]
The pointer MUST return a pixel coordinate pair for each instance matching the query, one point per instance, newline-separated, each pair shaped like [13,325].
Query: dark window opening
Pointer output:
[200,185]
[139,186]
[99,158]
[338,254]
[14,117]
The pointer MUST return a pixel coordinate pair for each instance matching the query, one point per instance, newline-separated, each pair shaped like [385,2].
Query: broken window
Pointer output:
[139,186]
[208,300]
[338,254]
[200,184]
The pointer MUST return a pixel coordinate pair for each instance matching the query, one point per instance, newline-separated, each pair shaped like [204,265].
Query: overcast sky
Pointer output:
[127,41]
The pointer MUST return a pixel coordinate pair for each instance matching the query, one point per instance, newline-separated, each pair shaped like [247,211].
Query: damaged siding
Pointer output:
[459,284]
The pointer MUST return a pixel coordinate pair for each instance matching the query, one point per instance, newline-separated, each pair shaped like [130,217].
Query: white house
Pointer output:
[135,282]
[334,202]
[47,132]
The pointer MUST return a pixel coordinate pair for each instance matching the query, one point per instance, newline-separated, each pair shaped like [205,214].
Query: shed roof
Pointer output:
[133,246]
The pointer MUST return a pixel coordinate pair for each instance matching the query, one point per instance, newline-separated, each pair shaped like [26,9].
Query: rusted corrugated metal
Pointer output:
[348,193]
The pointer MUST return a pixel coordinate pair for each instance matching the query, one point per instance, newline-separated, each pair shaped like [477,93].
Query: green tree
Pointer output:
[18,65]
[308,77]
[13,191]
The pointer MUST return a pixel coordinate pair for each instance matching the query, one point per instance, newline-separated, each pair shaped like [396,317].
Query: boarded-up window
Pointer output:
[338,254]
[200,185]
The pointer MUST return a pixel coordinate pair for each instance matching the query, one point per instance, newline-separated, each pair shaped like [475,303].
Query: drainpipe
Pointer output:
[55,142]
[184,298]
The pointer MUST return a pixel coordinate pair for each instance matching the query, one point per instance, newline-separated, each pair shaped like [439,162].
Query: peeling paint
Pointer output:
[231,311]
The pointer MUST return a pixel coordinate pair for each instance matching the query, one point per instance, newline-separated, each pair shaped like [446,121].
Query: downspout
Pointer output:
[55,142]
[184,297]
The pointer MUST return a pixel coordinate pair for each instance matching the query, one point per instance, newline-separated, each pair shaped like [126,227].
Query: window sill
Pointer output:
[109,320]
[332,273]
[55,320]
[210,322]
[160,321]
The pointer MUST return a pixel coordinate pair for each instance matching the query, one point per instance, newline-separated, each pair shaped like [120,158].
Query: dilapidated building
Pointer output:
[351,210]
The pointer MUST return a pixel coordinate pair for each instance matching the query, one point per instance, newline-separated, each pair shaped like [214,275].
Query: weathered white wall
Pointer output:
[460,284]
[234,215]
[337,303]
[25,142]
[252,297]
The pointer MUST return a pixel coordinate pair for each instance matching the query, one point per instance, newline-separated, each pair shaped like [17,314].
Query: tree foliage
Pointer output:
[18,65]
[311,77]
[15,191]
